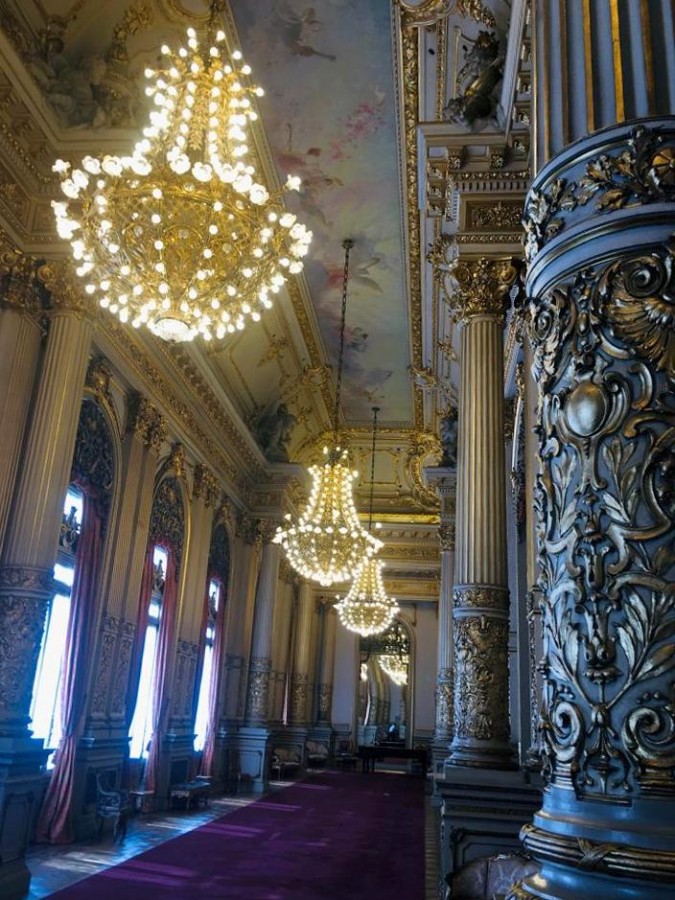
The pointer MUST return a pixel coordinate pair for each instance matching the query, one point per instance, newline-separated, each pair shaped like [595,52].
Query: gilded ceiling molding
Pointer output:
[136,358]
[483,287]
[410,96]
[425,13]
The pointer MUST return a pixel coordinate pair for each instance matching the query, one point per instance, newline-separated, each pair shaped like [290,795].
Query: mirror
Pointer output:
[384,687]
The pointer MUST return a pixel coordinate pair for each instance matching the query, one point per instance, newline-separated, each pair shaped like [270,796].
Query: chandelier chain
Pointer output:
[376,410]
[347,244]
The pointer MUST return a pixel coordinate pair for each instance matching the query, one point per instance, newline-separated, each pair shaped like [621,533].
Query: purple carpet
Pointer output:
[336,835]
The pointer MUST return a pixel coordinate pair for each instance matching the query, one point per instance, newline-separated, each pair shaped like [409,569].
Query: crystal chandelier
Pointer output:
[328,543]
[366,609]
[181,236]
[396,667]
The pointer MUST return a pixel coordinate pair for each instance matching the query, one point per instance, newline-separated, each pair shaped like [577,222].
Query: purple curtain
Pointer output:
[160,702]
[209,750]
[54,823]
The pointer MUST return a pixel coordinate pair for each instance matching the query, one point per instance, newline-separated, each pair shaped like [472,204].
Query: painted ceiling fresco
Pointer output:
[329,115]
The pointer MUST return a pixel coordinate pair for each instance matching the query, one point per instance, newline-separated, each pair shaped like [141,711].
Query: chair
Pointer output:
[111,804]
[317,754]
[346,755]
[285,761]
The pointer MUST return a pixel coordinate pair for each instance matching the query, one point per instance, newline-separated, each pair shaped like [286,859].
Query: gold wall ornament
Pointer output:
[605,526]
[483,287]
[206,485]
[146,423]
[446,536]
[299,689]
[176,461]
[64,288]
[258,688]
[481,695]
[180,236]
[19,287]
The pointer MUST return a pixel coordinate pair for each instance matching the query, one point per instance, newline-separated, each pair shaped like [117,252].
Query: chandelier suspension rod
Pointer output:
[347,244]
[376,410]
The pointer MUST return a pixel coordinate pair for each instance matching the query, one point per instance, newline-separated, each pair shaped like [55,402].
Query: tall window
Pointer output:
[45,709]
[202,717]
[141,724]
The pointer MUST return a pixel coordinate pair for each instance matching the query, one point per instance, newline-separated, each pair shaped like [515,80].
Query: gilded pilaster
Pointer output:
[444,480]
[301,645]
[329,619]
[257,704]
[480,597]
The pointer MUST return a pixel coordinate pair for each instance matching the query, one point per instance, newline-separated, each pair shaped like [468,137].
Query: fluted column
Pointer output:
[597,63]
[19,354]
[26,585]
[32,535]
[481,599]
[257,705]
[301,648]
[239,616]
[329,620]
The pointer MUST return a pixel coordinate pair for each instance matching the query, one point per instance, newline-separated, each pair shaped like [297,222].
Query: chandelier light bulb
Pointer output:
[396,667]
[186,208]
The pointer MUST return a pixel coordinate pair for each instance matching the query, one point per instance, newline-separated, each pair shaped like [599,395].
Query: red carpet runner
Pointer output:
[336,835]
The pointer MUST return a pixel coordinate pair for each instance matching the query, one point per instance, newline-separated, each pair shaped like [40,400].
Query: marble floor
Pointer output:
[56,867]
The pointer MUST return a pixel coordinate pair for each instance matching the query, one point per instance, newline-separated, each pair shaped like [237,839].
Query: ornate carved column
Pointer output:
[601,283]
[260,665]
[481,600]
[301,648]
[19,352]
[329,621]
[444,480]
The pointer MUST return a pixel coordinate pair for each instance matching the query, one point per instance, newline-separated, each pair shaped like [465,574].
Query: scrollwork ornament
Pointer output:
[258,688]
[605,513]
[22,619]
[641,174]
[481,695]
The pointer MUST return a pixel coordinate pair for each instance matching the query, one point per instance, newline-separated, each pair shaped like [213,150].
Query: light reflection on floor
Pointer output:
[56,867]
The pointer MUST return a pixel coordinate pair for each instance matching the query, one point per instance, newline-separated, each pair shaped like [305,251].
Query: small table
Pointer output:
[142,800]
[191,793]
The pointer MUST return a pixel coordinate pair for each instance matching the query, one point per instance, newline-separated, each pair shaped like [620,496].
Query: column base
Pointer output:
[253,745]
[22,785]
[482,813]
[477,756]
[593,847]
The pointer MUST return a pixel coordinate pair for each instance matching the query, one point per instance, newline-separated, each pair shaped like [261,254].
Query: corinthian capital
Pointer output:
[18,285]
[65,288]
[206,485]
[146,423]
[484,286]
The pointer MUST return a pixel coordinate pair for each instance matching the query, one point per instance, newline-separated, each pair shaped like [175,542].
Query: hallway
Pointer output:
[57,867]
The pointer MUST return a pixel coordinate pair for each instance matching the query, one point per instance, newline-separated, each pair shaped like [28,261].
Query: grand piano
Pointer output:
[369,754]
